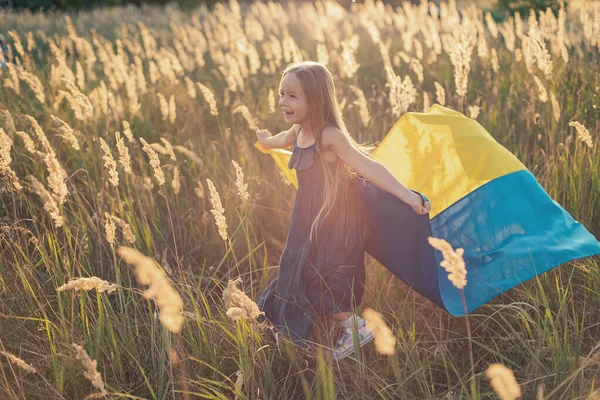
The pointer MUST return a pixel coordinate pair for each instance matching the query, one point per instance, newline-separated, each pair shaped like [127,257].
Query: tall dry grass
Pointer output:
[185,90]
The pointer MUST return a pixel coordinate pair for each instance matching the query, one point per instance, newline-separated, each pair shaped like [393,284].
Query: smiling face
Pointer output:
[292,99]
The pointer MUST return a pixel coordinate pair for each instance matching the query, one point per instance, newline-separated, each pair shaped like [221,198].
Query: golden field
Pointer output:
[139,224]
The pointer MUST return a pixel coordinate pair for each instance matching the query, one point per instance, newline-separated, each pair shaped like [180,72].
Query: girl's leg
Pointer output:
[341,317]
[346,286]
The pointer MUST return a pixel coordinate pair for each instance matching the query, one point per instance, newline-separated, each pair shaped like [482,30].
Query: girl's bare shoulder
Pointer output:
[330,134]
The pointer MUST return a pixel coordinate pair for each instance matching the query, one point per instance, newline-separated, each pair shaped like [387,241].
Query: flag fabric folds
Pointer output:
[483,199]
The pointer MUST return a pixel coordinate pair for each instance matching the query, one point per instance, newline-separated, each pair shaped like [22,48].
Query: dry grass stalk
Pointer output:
[110,164]
[209,97]
[460,57]
[12,82]
[172,109]
[385,342]
[239,182]
[238,304]
[518,55]
[124,158]
[362,104]
[39,133]
[217,210]
[17,43]
[349,64]
[168,149]
[88,284]
[127,132]
[5,160]
[518,26]
[159,148]
[166,297]
[453,262]
[491,24]
[440,94]
[284,178]
[190,154]
[474,111]
[417,68]
[164,106]
[494,61]
[555,107]
[66,132]
[34,84]
[507,30]
[27,141]
[80,74]
[18,362]
[402,92]
[503,381]
[190,88]
[418,50]
[482,47]
[125,229]
[271,100]
[56,178]
[30,42]
[242,109]
[79,102]
[9,123]
[542,93]
[110,229]
[291,50]
[322,54]
[176,182]
[154,162]
[239,382]
[582,133]
[91,366]
[133,103]
[539,51]
[49,203]
[56,173]
[154,72]
[199,190]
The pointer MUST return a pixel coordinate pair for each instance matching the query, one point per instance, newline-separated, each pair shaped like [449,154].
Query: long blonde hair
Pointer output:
[317,83]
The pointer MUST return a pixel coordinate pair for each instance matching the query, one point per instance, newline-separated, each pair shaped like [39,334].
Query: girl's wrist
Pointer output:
[416,200]
[409,197]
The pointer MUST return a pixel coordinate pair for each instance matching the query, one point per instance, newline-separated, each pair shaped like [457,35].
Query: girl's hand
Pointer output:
[262,135]
[419,205]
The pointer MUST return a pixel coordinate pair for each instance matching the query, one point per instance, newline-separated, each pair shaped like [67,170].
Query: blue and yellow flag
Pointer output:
[483,199]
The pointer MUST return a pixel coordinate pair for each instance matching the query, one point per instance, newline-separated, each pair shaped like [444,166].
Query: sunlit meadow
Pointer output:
[139,224]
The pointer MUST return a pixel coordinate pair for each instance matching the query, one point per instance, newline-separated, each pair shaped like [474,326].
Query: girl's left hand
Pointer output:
[420,206]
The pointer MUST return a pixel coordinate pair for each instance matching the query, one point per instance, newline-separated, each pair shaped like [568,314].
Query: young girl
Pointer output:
[321,270]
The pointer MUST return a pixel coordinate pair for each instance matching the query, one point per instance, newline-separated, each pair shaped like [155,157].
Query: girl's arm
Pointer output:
[280,141]
[372,170]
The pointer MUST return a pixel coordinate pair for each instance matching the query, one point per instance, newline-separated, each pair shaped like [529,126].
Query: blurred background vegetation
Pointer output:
[97,70]
[499,8]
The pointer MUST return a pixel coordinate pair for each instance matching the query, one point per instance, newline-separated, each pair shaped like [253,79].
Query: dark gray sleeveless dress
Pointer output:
[315,278]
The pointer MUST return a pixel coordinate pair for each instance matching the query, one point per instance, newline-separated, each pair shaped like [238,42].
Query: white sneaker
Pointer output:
[345,344]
